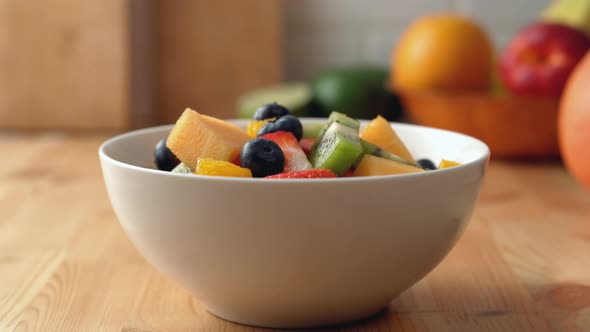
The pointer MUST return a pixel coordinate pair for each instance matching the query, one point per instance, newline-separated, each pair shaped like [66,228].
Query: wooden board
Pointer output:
[114,64]
[210,52]
[65,64]
[523,263]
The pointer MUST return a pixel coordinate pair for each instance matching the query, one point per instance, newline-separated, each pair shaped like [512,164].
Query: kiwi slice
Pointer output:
[344,119]
[339,118]
[338,149]
[182,169]
[374,150]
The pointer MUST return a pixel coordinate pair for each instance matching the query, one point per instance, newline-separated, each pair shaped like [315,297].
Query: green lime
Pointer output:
[296,96]
[359,92]
[311,130]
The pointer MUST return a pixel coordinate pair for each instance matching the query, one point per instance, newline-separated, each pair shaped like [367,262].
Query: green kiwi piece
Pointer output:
[182,169]
[344,119]
[339,118]
[338,149]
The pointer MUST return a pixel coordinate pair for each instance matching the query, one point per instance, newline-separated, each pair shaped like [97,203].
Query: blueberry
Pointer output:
[286,123]
[426,164]
[164,158]
[272,110]
[263,157]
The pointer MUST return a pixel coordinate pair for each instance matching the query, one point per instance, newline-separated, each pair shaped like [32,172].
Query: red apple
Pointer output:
[540,58]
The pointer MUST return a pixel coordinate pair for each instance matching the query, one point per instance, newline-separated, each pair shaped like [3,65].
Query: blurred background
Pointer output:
[121,64]
[80,64]
[324,33]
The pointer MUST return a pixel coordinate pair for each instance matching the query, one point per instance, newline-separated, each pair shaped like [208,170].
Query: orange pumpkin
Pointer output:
[574,122]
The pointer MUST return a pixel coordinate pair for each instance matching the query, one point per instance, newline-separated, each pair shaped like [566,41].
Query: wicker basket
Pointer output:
[513,128]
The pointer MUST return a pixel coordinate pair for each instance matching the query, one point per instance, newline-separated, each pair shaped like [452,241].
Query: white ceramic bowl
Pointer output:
[295,253]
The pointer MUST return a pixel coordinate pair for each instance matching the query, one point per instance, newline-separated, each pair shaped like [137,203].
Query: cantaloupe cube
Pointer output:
[197,136]
[371,166]
[380,133]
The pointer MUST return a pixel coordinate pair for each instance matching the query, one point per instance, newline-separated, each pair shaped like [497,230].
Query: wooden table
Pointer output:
[65,264]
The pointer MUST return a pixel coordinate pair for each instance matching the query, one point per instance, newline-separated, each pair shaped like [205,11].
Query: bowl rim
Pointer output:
[106,158]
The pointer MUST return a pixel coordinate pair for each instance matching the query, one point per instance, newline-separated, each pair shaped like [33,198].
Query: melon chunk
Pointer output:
[371,166]
[380,133]
[197,136]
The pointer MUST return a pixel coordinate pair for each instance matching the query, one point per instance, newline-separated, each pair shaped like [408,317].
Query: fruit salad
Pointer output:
[276,145]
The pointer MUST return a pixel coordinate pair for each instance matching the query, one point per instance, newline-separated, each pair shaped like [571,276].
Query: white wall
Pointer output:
[321,33]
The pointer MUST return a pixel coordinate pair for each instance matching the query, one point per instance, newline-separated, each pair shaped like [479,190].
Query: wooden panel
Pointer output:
[64,64]
[66,265]
[209,52]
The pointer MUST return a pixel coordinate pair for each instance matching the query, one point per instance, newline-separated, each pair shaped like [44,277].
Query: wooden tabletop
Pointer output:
[523,263]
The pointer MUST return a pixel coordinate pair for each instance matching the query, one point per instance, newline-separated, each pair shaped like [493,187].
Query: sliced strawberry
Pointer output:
[295,158]
[309,174]
[349,173]
[306,144]
[236,161]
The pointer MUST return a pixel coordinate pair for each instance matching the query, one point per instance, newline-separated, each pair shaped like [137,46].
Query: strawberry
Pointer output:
[295,158]
[306,144]
[236,161]
[349,173]
[308,174]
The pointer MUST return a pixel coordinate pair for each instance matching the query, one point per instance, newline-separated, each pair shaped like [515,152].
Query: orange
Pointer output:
[444,52]
[254,126]
[574,122]
[212,167]
[447,164]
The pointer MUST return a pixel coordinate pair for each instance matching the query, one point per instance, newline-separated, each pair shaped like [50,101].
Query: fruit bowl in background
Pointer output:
[299,252]
[512,127]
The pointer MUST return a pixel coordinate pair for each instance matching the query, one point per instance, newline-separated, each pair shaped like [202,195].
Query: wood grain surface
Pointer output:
[523,263]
